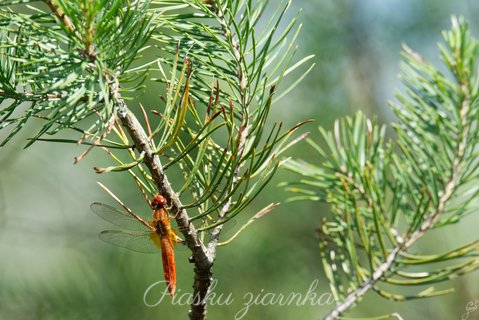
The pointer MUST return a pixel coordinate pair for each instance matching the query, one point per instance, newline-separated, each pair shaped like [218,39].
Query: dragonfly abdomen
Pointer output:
[169,268]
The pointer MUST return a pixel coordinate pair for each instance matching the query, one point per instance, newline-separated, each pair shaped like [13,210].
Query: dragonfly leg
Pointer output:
[175,239]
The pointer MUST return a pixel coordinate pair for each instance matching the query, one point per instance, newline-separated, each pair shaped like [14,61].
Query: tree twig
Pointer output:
[60,14]
[202,258]
[427,224]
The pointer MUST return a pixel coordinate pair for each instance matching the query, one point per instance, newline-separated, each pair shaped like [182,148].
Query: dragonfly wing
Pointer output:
[135,241]
[116,216]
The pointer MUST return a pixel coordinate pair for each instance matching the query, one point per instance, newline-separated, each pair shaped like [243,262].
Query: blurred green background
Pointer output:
[53,266]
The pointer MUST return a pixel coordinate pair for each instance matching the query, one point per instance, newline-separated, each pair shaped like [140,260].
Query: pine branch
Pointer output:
[374,187]
[152,161]
[428,223]
[203,257]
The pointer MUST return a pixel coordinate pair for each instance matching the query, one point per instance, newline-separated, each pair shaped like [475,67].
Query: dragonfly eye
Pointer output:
[158,202]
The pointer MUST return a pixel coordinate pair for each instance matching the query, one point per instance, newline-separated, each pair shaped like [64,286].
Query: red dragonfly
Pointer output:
[143,236]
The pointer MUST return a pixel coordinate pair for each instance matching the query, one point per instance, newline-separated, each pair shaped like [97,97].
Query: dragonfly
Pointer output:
[144,236]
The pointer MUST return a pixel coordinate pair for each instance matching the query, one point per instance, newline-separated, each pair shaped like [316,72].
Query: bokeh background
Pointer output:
[53,266]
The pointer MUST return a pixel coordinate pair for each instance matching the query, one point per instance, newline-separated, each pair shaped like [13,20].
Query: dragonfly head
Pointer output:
[158,202]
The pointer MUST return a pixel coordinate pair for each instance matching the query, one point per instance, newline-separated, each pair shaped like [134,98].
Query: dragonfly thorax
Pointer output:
[161,228]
